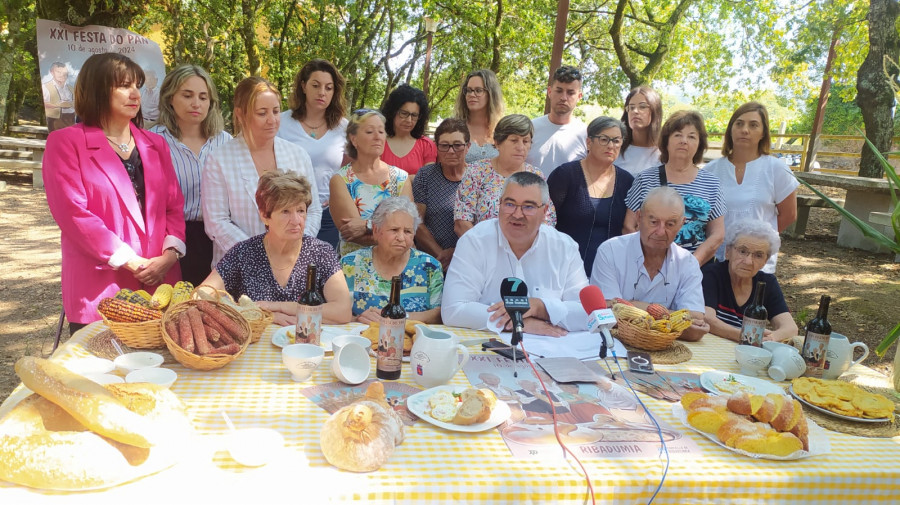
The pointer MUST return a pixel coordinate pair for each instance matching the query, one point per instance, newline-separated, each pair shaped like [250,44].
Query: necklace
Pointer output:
[122,147]
[609,180]
[313,129]
[269,254]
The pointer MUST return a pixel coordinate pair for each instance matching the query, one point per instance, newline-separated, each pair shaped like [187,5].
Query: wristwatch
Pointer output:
[178,255]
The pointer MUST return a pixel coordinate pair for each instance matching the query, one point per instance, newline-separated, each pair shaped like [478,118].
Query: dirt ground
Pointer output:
[864,286]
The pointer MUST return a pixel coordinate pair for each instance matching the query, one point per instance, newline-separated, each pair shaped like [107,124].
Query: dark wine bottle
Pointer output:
[390,335]
[309,314]
[753,327]
[815,345]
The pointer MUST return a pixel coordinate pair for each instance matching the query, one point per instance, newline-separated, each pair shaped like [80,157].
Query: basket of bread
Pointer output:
[136,316]
[409,335]
[74,434]
[258,317]
[771,426]
[205,335]
[653,329]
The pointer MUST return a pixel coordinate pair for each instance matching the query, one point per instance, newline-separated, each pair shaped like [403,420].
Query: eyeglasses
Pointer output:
[362,112]
[743,252]
[642,107]
[604,141]
[527,208]
[457,147]
[405,114]
[474,91]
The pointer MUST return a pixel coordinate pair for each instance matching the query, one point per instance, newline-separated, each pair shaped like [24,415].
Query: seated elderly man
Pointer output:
[730,286]
[516,244]
[648,267]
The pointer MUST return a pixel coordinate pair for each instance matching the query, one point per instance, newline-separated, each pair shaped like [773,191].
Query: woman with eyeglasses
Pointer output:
[682,143]
[756,185]
[478,195]
[480,105]
[406,115]
[642,118]
[316,123]
[434,191]
[729,286]
[360,185]
[589,194]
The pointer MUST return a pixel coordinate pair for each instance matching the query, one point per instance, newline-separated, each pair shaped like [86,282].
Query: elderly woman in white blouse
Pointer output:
[232,171]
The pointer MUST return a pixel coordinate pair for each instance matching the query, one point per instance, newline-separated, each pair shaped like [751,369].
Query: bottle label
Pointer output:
[752,331]
[814,352]
[390,344]
[309,324]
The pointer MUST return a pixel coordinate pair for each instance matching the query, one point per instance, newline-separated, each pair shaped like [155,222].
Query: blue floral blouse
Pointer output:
[422,282]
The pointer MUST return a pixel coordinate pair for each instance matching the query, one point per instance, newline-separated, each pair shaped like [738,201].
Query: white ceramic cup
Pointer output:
[752,359]
[338,342]
[786,363]
[301,360]
[352,364]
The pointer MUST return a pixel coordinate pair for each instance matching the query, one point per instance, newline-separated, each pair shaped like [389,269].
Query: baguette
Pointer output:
[86,401]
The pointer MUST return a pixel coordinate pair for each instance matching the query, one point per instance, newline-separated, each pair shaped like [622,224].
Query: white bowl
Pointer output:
[301,360]
[105,378]
[352,364]
[90,365]
[338,342]
[132,361]
[162,376]
[255,446]
[752,359]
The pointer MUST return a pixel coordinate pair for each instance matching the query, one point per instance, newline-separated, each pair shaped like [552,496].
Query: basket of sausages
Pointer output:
[205,335]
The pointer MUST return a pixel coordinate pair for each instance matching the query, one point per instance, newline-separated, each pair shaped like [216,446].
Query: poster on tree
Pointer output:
[62,50]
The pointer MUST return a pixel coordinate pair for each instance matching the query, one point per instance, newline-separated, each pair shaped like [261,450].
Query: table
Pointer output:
[436,467]
[36,147]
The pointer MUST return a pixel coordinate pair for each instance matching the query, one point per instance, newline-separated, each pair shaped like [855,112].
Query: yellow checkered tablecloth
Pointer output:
[434,466]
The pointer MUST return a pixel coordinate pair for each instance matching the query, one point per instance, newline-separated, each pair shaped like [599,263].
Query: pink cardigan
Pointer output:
[93,202]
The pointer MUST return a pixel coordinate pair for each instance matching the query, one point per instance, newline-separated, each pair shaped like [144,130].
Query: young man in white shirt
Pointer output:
[559,137]
[648,267]
[516,244]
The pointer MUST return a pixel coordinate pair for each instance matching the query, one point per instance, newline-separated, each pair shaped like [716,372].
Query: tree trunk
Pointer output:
[813,148]
[874,93]
[7,58]
[495,41]
[248,34]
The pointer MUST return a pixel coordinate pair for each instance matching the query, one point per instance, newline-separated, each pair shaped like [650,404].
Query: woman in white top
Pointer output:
[480,105]
[231,174]
[316,123]
[642,118]
[756,185]
[190,119]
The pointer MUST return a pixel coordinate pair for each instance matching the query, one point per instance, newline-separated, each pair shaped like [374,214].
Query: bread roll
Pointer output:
[86,401]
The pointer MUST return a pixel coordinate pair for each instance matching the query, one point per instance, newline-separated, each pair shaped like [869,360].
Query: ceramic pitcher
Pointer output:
[839,356]
[434,356]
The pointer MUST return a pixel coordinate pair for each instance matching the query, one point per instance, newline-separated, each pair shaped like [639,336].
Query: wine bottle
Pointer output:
[753,327]
[309,314]
[815,345]
[390,336]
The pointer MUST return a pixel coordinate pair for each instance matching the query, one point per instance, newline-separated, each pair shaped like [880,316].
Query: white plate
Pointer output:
[835,414]
[818,439]
[418,403]
[280,339]
[710,380]
[90,365]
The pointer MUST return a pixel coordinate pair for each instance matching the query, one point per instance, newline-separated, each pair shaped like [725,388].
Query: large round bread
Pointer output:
[43,446]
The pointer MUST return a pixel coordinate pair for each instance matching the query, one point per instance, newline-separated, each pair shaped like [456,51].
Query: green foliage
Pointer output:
[842,116]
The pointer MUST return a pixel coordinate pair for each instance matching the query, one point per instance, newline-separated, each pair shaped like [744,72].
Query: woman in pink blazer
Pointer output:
[113,192]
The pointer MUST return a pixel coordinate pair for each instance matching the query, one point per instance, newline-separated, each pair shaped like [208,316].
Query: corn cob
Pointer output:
[658,311]
[128,295]
[661,325]
[629,312]
[161,297]
[121,311]
[680,315]
[181,292]
[677,326]
[145,295]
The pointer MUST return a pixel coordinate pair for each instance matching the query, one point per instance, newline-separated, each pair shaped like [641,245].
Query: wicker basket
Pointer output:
[645,339]
[259,318]
[210,361]
[146,335]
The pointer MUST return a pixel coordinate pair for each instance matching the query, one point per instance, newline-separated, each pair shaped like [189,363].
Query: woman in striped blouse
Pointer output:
[190,119]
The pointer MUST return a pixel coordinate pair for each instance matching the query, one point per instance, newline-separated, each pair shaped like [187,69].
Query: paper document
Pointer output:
[577,344]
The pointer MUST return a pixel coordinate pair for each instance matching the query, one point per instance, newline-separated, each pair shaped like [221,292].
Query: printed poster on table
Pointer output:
[596,420]
[332,397]
[62,50]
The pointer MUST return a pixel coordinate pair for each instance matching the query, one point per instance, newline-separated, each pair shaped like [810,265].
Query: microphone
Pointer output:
[600,318]
[514,293]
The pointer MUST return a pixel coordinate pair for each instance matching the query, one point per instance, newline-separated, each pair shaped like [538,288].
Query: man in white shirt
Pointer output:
[59,98]
[516,244]
[648,267]
[150,98]
[559,137]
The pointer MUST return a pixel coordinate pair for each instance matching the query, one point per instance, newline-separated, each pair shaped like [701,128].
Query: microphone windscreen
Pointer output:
[592,299]
[513,286]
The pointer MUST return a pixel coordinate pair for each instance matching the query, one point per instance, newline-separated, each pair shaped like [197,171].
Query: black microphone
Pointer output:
[514,293]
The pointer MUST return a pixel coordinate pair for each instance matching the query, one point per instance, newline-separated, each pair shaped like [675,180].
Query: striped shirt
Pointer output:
[188,167]
[703,202]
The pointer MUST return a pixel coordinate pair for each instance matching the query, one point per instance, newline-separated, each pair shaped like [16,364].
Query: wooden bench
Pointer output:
[35,132]
[805,202]
[16,164]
